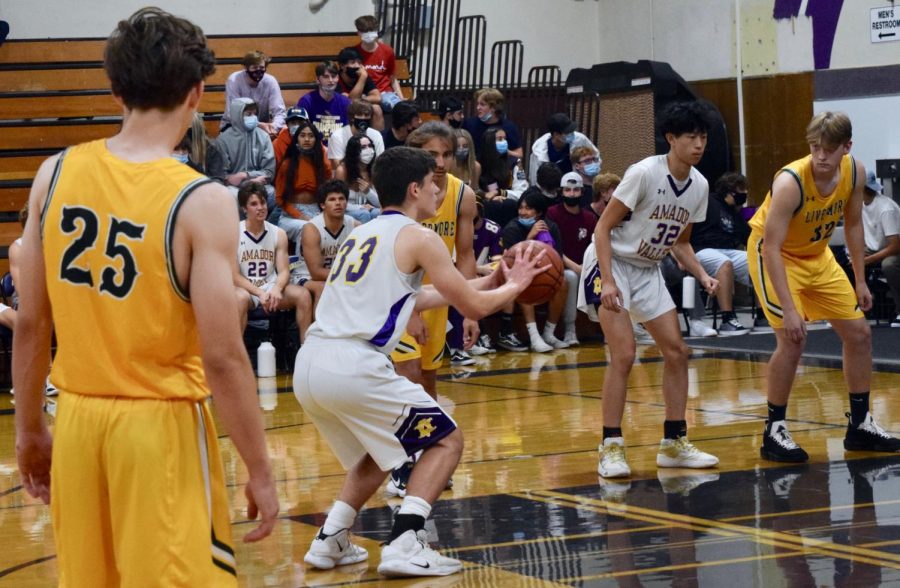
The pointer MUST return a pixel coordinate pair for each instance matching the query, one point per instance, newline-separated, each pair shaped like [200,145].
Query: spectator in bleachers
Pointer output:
[489,113]
[450,110]
[263,274]
[360,113]
[673,274]
[356,171]
[203,155]
[576,226]
[253,82]
[604,185]
[354,83]
[465,166]
[548,179]
[8,312]
[285,137]
[326,107]
[404,120]
[881,225]
[720,243]
[586,162]
[502,178]
[531,224]
[379,60]
[555,145]
[302,170]
[248,150]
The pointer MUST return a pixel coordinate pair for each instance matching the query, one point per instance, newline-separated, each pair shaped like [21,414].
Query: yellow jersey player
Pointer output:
[797,278]
[133,267]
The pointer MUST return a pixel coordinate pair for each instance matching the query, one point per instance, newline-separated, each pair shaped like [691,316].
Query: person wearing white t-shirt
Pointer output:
[651,213]
[360,114]
[881,228]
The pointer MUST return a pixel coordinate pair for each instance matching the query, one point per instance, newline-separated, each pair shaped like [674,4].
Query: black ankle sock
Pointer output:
[776,413]
[404,523]
[611,432]
[728,314]
[506,323]
[674,429]
[859,406]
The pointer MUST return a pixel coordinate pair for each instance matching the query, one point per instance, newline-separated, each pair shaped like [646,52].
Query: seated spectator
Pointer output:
[604,186]
[465,166]
[404,120]
[354,83]
[487,249]
[285,137]
[197,151]
[548,179]
[262,279]
[489,105]
[356,171]
[586,163]
[531,224]
[253,82]
[379,60]
[360,113]
[326,107]
[881,222]
[720,244]
[322,237]
[576,226]
[502,179]
[302,170]
[450,111]
[248,151]
[554,145]
[674,273]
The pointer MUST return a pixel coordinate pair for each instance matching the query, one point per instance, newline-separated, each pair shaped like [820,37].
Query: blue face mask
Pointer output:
[487,116]
[181,157]
[502,147]
[570,138]
[592,169]
[251,122]
[527,222]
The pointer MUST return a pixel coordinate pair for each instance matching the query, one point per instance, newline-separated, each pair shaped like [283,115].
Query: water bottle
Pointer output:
[268,393]
[265,360]
[688,292]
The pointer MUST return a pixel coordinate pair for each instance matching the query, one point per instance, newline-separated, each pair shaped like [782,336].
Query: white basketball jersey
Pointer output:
[366,297]
[661,207]
[256,254]
[328,244]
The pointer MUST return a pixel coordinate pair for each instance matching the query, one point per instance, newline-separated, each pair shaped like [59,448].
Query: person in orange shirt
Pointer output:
[299,173]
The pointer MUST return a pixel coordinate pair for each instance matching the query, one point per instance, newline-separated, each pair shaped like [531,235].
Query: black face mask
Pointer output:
[740,198]
[256,76]
[361,124]
[305,151]
[455,123]
[352,72]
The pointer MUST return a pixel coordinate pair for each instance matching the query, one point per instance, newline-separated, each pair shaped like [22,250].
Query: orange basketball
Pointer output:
[545,284]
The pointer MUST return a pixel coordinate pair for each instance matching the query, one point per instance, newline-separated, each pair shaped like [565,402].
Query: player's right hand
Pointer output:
[262,501]
[33,452]
[609,295]
[794,326]
[417,329]
[526,266]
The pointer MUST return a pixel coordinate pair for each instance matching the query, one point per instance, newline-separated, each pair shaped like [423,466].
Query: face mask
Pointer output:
[308,152]
[572,200]
[570,138]
[251,122]
[462,154]
[329,88]
[502,147]
[361,124]
[369,37]
[181,157]
[353,72]
[367,155]
[550,195]
[456,124]
[486,117]
[591,169]
[740,198]
[527,222]
[292,129]
[257,75]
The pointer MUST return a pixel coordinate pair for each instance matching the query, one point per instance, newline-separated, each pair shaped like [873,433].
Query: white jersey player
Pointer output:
[373,418]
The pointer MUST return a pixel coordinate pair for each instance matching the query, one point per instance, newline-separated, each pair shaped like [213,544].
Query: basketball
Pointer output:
[545,284]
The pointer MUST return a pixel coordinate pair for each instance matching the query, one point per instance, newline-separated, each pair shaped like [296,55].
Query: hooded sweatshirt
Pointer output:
[249,151]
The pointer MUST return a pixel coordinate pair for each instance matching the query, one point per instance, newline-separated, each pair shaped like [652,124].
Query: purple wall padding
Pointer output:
[786,9]
[825,15]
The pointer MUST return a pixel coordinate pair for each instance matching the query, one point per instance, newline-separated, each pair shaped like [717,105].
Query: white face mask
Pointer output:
[369,37]
[292,129]
[367,155]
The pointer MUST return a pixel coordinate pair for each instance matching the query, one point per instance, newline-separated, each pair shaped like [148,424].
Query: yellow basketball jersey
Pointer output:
[124,326]
[444,220]
[814,221]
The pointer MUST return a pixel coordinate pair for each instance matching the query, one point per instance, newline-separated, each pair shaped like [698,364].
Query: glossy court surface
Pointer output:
[527,507]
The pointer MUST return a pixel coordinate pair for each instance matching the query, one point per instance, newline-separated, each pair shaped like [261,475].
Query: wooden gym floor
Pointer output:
[527,507]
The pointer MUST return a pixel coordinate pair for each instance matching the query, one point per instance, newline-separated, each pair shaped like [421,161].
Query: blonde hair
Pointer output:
[829,129]
[604,182]
[465,172]
[199,142]
[492,97]
[256,58]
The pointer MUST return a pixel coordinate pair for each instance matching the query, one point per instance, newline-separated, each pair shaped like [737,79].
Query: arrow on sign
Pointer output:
[883,35]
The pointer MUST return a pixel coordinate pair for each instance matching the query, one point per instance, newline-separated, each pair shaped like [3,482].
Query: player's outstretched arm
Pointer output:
[205,259]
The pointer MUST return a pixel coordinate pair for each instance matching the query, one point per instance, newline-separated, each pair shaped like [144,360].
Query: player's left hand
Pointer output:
[471,331]
[417,329]
[709,284]
[864,297]
[274,300]
[34,451]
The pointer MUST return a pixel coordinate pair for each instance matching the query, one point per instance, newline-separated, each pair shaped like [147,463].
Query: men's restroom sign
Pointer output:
[885,24]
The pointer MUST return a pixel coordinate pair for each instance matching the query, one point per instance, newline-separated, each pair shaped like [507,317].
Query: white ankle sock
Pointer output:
[549,330]
[341,516]
[415,506]
[533,330]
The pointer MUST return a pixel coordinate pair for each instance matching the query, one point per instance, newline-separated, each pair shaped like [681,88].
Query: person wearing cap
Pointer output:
[354,83]
[285,136]
[450,109]
[253,82]
[576,227]
[404,120]
[881,229]
[554,146]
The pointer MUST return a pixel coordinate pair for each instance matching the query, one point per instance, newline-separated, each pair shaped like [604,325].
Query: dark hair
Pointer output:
[448,104]
[494,165]
[292,159]
[154,59]
[534,198]
[330,187]
[396,169]
[366,23]
[729,182]
[549,176]
[347,55]
[679,118]
[403,113]
[351,158]
[329,66]
[249,189]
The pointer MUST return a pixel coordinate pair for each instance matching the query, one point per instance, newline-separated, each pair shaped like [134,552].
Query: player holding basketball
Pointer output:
[132,262]
[372,417]
[797,278]
[650,213]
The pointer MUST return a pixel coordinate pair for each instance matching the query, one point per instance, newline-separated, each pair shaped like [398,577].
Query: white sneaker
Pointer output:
[50,389]
[550,339]
[477,350]
[674,482]
[571,338]
[698,328]
[538,345]
[613,490]
[681,453]
[410,555]
[327,551]
[612,459]
[641,336]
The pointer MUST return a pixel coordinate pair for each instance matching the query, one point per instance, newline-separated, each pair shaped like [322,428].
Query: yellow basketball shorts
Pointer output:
[432,353]
[819,287]
[138,494]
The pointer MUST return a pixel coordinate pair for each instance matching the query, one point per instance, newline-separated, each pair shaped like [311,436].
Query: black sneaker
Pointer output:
[461,357]
[778,445]
[761,324]
[731,326]
[868,436]
[511,343]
